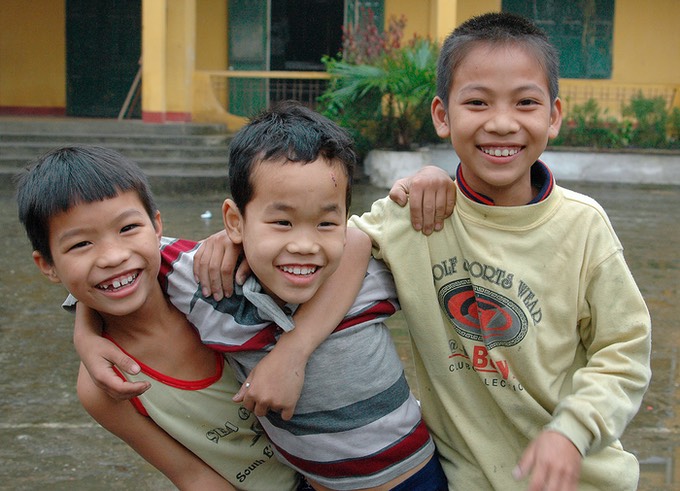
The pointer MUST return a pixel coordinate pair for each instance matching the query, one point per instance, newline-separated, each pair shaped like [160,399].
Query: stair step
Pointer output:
[173,150]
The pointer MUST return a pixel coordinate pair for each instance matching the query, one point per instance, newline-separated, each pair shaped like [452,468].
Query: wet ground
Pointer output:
[48,442]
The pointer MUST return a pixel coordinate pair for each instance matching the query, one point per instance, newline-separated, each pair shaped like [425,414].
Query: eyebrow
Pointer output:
[280,206]
[521,88]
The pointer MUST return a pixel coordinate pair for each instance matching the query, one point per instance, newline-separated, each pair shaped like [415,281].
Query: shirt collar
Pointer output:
[541,179]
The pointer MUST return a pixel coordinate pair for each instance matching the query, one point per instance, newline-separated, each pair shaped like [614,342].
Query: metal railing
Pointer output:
[245,93]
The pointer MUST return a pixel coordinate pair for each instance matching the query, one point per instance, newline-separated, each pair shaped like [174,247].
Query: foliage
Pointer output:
[646,123]
[381,90]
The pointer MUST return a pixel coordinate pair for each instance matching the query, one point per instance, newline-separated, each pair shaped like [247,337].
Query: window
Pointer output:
[581,31]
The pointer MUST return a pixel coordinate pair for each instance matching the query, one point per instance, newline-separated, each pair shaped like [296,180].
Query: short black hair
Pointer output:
[495,28]
[67,176]
[292,132]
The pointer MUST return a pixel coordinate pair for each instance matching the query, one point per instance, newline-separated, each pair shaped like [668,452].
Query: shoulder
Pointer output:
[387,224]
[585,207]
[112,414]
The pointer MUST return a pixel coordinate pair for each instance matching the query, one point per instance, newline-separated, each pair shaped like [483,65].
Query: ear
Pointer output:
[440,118]
[233,221]
[158,224]
[555,119]
[46,267]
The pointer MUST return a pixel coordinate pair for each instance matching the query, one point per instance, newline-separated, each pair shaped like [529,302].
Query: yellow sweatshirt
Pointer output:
[521,318]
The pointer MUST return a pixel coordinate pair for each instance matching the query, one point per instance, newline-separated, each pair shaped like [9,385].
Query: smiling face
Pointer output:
[106,253]
[499,119]
[293,229]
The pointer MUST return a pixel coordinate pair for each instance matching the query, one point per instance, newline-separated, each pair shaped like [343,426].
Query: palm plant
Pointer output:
[385,99]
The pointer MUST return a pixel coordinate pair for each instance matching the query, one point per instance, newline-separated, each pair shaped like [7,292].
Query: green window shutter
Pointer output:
[248,45]
[582,32]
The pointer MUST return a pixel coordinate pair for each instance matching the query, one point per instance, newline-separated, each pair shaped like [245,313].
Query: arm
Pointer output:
[431,195]
[606,392]
[277,380]
[183,468]
[99,355]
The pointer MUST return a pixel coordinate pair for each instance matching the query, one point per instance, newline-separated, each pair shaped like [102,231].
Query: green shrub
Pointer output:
[646,123]
[650,120]
[380,90]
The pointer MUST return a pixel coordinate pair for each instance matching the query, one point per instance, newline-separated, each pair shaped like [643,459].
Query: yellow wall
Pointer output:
[180,57]
[646,42]
[153,56]
[33,53]
[436,18]
[211,34]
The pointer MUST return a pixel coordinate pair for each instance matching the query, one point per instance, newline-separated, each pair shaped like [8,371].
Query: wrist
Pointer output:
[297,346]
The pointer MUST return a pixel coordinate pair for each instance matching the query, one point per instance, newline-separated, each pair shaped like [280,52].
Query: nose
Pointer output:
[111,253]
[502,122]
[303,242]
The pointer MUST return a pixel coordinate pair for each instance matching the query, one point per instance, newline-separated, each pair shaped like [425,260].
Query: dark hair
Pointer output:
[292,132]
[65,177]
[495,29]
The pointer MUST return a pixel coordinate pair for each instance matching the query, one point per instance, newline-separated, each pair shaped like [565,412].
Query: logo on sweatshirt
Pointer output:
[483,315]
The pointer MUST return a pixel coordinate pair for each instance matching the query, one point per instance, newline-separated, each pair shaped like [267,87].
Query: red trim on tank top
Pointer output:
[175,382]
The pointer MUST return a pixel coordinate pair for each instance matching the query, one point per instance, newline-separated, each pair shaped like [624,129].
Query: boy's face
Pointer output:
[106,253]
[499,118]
[293,230]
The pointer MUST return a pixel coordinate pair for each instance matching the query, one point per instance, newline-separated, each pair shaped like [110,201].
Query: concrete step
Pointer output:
[26,151]
[68,126]
[175,151]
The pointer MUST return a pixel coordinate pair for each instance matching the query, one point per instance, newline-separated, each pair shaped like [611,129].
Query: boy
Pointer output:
[357,425]
[531,339]
[95,228]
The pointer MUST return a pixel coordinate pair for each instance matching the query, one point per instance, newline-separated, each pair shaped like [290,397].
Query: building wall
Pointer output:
[33,56]
[211,34]
[646,42]
[33,46]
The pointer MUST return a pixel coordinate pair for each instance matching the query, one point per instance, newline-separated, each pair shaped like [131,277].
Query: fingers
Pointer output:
[121,390]
[241,394]
[111,383]
[125,363]
[214,264]
[286,414]
[399,192]
[258,405]
[242,272]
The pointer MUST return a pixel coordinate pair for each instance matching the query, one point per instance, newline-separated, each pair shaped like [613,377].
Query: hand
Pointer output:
[274,384]
[100,369]
[214,265]
[99,355]
[431,195]
[553,462]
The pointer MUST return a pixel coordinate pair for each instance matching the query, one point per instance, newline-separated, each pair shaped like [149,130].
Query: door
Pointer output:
[103,47]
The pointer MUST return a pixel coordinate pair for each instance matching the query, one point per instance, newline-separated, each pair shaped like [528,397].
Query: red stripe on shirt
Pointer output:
[366,465]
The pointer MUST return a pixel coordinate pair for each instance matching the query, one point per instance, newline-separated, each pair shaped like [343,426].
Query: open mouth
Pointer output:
[500,152]
[299,270]
[117,283]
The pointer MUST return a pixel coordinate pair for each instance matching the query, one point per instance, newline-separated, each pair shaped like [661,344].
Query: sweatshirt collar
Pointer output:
[541,178]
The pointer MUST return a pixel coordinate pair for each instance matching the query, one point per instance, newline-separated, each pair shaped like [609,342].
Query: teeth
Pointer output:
[118,282]
[497,152]
[301,270]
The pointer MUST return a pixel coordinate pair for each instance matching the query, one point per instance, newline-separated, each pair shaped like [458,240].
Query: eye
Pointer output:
[328,224]
[78,245]
[129,227]
[476,103]
[527,102]
[282,223]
